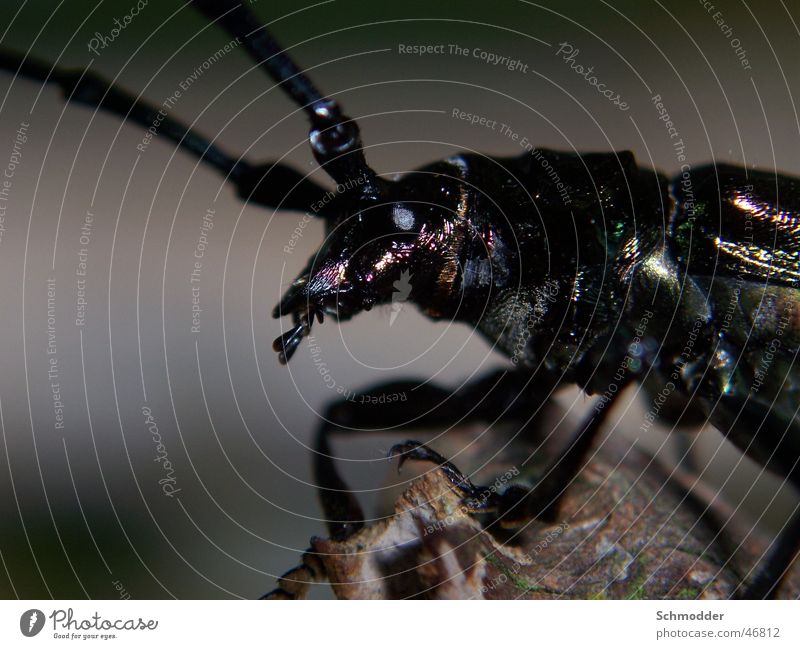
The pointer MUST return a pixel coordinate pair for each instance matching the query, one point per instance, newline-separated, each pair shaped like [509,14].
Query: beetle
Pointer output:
[687,286]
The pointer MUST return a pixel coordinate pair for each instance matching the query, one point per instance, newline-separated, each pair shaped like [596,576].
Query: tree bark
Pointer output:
[628,529]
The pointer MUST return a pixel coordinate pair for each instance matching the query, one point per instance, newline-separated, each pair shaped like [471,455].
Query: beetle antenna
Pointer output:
[335,138]
[271,184]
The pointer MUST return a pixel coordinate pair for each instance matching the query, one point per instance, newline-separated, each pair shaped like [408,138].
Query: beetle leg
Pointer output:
[543,501]
[477,499]
[776,565]
[343,514]
[517,504]
[499,395]
[764,435]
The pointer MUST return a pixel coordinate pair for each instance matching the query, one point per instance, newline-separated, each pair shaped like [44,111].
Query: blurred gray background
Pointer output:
[82,511]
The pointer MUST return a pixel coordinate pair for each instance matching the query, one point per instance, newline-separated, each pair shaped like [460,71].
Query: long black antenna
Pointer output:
[335,138]
[270,184]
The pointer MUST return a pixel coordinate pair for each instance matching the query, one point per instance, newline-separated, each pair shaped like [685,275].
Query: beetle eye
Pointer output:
[402,217]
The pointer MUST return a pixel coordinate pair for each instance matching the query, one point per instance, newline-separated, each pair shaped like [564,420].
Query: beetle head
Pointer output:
[356,268]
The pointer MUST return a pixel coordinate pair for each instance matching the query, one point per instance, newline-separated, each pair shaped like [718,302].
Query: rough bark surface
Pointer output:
[629,529]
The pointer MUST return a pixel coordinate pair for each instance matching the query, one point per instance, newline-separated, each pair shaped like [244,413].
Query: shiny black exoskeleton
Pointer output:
[581,268]
[689,286]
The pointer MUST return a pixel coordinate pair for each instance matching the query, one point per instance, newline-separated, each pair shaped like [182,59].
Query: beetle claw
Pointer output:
[412,450]
[287,343]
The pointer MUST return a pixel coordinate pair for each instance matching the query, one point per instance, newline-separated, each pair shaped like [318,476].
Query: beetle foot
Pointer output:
[511,508]
[295,583]
[476,498]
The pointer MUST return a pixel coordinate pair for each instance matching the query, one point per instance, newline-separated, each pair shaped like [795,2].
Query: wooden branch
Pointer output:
[627,531]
